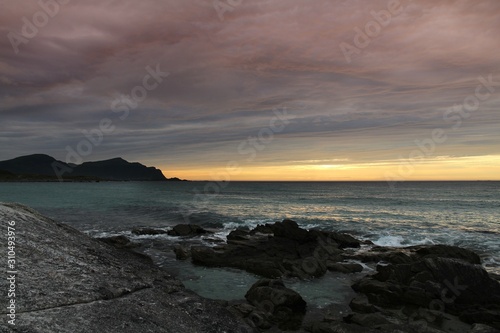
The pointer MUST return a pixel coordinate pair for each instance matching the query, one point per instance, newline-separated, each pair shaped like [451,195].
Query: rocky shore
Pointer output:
[66,281]
[69,282]
[430,289]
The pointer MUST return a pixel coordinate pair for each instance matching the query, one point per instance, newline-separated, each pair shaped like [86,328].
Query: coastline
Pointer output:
[65,281]
[369,310]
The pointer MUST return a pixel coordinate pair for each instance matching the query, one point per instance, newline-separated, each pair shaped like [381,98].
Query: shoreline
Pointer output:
[275,252]
[66,282]
[367,254]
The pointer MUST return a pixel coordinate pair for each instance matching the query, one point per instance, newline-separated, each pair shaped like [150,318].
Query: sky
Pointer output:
[342,90]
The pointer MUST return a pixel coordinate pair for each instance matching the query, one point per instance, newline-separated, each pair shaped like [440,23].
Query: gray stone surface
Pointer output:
[69,282]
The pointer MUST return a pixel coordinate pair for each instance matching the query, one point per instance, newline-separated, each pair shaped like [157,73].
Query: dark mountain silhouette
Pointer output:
[118,169]
[44,167]
[37,164]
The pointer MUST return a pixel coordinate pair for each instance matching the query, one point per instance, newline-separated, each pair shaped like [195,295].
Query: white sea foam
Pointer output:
[395,241]
[400,241]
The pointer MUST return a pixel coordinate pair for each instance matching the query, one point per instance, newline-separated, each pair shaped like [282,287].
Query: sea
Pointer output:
[465,214]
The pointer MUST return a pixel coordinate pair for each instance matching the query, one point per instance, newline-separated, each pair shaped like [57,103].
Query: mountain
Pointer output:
[44,167]
[118,169]
[37,164]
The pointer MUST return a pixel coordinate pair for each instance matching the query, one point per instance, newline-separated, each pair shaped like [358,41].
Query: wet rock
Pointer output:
[119,242]
[277,305]
[328,327]
[361,304]
[290,230]
[451,286]
[481,328]
[415,253]
[344,267]
[343,240]
[182,251]
[372,320]
[289,251]
[262,229]
[445,251]
[148,231]
[382,254]
[238,234]
[244,309]
[187,230]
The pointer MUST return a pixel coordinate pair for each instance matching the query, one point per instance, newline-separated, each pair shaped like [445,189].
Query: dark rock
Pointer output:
[452,286]
[119,242]
[415,253]
[489,315]
[238,234]
[343,240]
[290,229]
[383,254]
[244,309]
[445,251]
[344,268]
[187,230]
[182,252]
[277,304]
[262,229]
[148,231]
[361,304]
[274,292]
[372,320]
[291,252]
[481,328]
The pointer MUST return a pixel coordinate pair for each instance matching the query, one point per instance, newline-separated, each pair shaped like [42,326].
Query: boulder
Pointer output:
[182,252]
[277,304]
[290,230]
[187,230]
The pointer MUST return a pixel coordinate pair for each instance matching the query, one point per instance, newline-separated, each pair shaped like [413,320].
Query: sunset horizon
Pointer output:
[390,90]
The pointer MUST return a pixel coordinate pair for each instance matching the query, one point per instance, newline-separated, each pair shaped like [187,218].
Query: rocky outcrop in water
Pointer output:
[277,250]
[417,289]
[148,231]
[69,282]
[188,230]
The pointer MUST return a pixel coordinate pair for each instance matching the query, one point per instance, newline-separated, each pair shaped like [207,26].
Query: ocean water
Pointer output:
[465,214]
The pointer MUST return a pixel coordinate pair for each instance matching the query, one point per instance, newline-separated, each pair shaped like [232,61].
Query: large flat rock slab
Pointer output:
[69,282]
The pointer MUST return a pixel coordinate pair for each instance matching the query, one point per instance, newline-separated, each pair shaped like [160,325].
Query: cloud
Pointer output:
[227,76]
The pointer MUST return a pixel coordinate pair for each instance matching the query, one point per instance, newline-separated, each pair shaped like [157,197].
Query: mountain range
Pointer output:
[44,167]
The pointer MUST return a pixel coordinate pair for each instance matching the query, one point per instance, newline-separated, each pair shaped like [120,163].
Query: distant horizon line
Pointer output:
[345,181]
